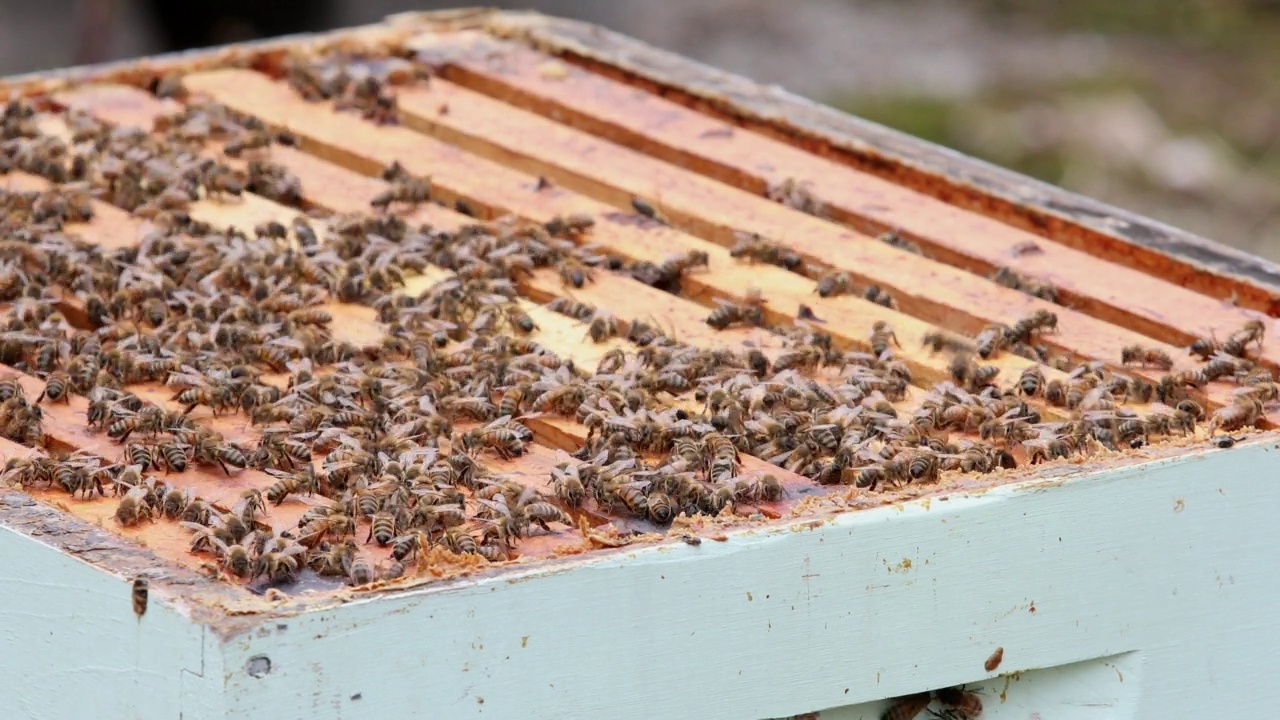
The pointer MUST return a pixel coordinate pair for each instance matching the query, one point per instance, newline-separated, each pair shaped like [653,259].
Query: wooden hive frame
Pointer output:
[1113,582]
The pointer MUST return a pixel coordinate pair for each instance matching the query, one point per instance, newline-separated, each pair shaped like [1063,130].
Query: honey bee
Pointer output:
[907,707]
[175,455]
[138,595]
[288,484]
[603,326]
[382,528]
[673,267]
[133,508]
[881,336]
[749,312]
[763,488]
[246,141]
[939,341]
[520,320]
[796,194]
[834,283]
[879,296]
[140,455]
[963,704]
[1026,247]
[573,273]
[568,485]
[894,239]
[1031,382]
[808,358]
[1036,288]
[407,190]
[571,225]
[992,340]
[646,209]
[755,248]
[1038,321]
[572,308]
[1151,357]
[56,388]
[1244,411]
[234,557]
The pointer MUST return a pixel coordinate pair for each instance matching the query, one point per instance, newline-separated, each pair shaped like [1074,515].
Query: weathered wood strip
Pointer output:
[754,162]
[561,335]
[337,189]
[1122,236]
[924,288]
[495,190]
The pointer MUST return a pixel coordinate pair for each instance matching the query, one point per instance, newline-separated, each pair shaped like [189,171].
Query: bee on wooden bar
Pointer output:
[246,141]
[410,191]
[877,295]
[1026,247]
[573,273]
[894,239]
[674,266]
[796,194]
[646,209]
[603,326]
[133,508]
[881,336]
[748,312]
[1241,413]
[1038,321]
[1035,288]
[755,248]
[56,388]
[572,308]
[1031,382]
[1150,357]
[941,341]
[834,283]
[992,340]
[571,225]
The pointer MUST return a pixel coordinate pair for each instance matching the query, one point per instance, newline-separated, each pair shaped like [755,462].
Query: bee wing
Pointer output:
[499,507]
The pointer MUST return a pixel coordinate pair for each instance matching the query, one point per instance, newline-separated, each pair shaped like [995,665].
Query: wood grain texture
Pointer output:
[497,190]
[754,162]
[955,299]
[1121,587]
[1125,237]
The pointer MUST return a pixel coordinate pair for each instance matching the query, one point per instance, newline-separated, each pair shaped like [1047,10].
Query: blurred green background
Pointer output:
[1170,108]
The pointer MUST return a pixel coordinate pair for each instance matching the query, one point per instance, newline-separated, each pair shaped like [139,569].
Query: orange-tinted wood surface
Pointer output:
[348,192]
[111,227]
[925,288]
[498,190]
[752,161]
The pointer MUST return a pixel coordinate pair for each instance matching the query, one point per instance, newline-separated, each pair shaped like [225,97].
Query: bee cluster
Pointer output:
[396,438]
[955,703]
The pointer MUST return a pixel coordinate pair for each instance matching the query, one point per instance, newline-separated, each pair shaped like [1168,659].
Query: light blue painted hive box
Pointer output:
[1132,578]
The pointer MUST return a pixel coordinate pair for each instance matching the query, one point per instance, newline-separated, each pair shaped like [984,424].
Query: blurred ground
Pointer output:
[1168,107]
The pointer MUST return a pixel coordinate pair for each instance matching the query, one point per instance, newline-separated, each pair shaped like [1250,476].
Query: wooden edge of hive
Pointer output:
[1125,237]
[673,133]
[482,125]
[389,32]
[284,39]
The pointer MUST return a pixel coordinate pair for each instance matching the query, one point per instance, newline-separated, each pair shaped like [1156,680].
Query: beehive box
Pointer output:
[1129,578]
